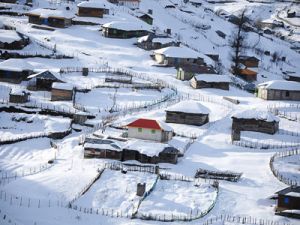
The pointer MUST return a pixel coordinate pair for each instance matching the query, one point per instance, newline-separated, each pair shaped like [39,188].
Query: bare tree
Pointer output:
[114,100]
[238,42]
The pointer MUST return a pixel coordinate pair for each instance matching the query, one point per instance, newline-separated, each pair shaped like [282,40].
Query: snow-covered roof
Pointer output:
[183,52]
[62,86]
[148,148]
[188,106]
[16,65]
[92,4]
[45,13]
[257,115]
[281,85]
[178,52]
[127,25]
[112,146]
[18,91]
[150,124]
[293,194]
[212,78]
[162,40]
[9,36]
[44,74]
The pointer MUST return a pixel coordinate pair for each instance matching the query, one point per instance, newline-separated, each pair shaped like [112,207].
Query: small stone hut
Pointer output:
[125,30]
[279,90]
[62,92]
[252,120]
[188,112]
[18,96]
[210,81]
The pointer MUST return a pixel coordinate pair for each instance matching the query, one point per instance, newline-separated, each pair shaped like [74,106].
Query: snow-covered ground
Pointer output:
[71,172]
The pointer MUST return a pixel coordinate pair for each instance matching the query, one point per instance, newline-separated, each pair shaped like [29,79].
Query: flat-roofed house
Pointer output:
[15,70]
[210,81]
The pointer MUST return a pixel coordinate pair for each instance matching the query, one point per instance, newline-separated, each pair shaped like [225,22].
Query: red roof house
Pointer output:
[149,129]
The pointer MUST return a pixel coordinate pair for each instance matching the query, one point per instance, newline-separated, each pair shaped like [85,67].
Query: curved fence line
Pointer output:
[277,173]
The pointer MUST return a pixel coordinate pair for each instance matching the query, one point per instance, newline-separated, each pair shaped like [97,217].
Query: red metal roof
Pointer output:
[145,123]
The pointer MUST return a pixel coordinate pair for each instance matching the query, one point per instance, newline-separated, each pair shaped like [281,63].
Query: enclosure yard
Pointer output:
[105,99]
[288,167]
[115,191]
[24,155]
[14,125]
[177,200]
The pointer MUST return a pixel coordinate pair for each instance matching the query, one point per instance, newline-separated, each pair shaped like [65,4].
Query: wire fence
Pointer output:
[264,144]
[7,177]
[280,110]
[277,173]
[241,220]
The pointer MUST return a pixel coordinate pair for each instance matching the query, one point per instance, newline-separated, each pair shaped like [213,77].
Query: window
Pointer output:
[153,131]
[140,129]
[287,94]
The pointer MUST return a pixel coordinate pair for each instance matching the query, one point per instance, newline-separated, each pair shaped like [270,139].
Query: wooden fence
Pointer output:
[266,144]
[277,173]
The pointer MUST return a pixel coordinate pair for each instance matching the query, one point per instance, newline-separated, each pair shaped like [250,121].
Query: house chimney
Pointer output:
[168,31]
[150,11]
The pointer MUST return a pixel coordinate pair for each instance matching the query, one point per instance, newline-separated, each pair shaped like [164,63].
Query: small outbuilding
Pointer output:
[188,112]
[180,56]
[15,70]
[125,29]
[248,74]
[249,61]
[42,81]
[288,202]
[279,90]
[18,96]
[252,120]
[62,92]
[132,4]
[50,17]
[292,76]
[188,72]
[144,17]
[12,40]
[149,129]
[153,42]
[210,81]
[92,9]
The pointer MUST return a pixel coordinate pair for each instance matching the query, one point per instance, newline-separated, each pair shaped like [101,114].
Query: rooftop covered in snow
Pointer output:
[9,36]
[188,106]
[280,85]
[62,86]
[92,4]
[46,13]
[17,65]
[212,78]
[127,25]
[257,115]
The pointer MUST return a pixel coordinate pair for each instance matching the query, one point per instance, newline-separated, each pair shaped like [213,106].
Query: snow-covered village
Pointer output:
[144,112]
